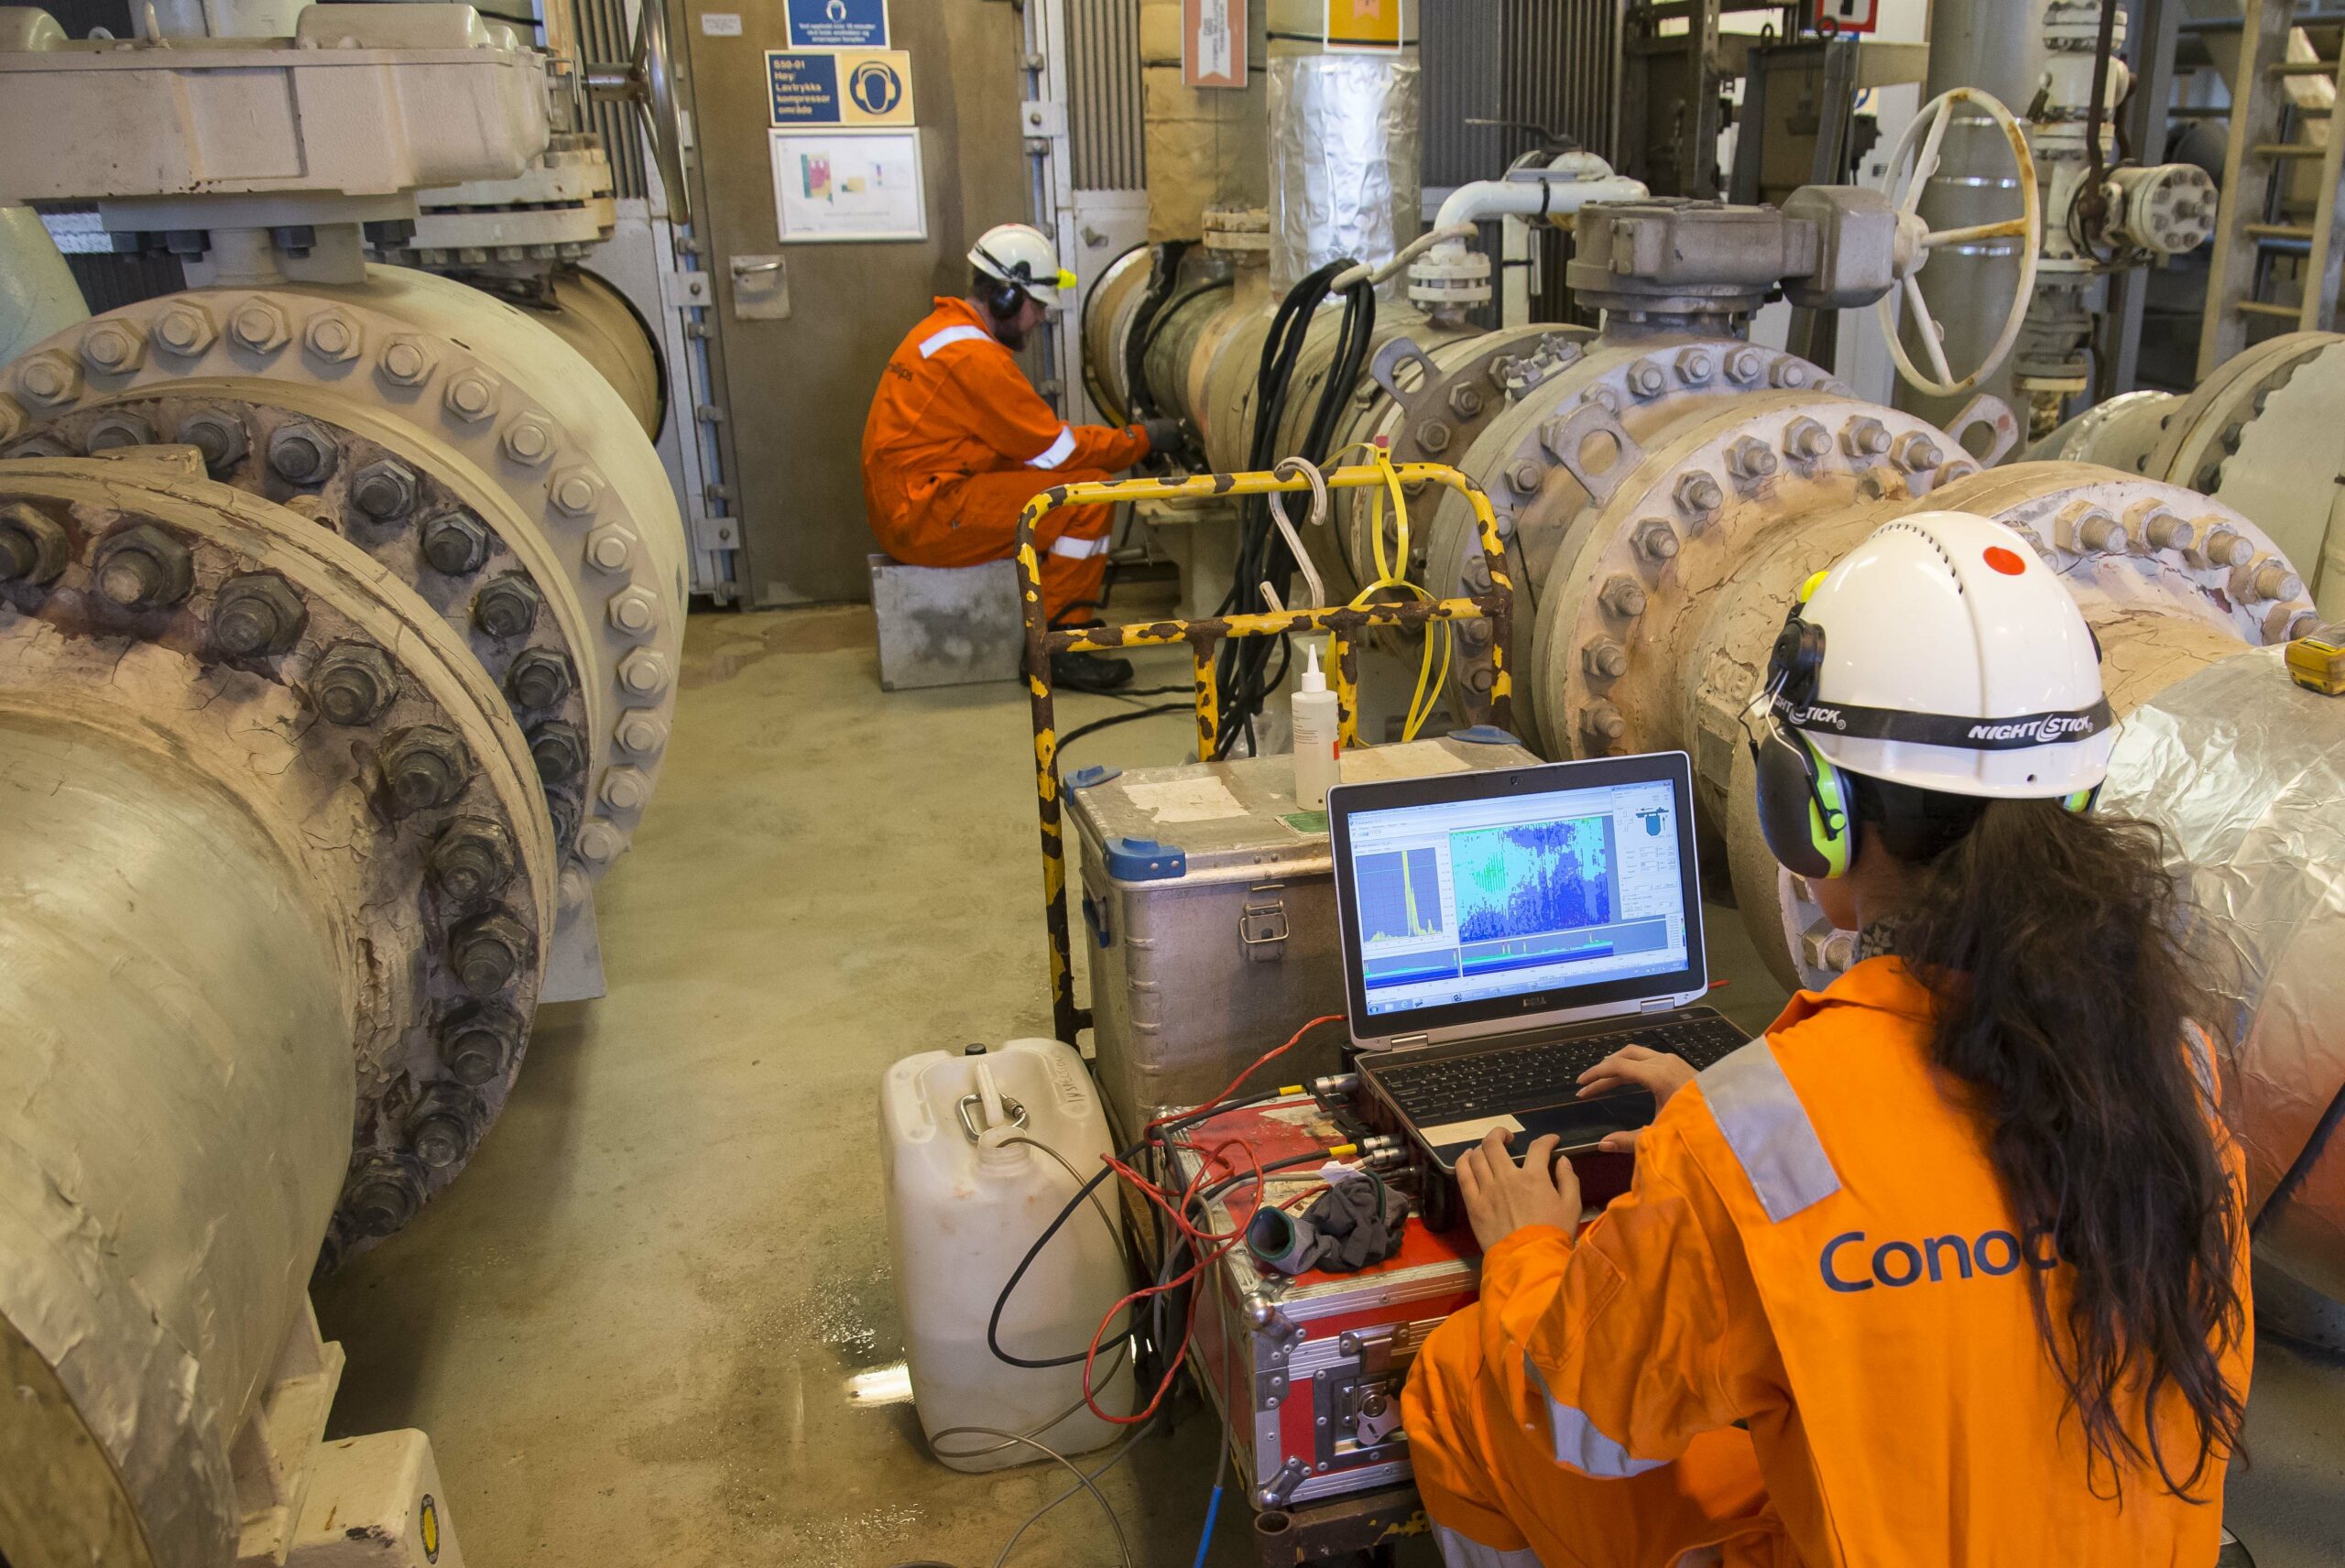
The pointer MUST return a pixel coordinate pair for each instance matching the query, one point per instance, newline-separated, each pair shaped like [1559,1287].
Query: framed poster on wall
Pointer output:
[849,185]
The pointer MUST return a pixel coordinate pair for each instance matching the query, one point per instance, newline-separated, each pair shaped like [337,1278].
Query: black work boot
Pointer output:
[1090,672]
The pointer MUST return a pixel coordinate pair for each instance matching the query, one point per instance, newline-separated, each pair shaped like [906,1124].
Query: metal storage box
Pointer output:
[946,626]
[1208,916]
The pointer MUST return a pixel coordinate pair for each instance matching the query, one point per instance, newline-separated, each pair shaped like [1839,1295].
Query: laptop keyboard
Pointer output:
[1521,1078]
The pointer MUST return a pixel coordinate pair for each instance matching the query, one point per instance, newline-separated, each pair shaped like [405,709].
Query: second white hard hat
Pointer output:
[1021,253]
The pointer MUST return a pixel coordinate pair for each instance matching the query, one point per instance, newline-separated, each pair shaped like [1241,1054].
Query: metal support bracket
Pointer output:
[1595,447]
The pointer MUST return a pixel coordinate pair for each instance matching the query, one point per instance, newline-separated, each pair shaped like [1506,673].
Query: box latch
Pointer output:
[1262,924]
[1379,1350]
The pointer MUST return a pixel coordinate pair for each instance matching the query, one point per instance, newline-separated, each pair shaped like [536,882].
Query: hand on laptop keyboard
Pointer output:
[1635,1066]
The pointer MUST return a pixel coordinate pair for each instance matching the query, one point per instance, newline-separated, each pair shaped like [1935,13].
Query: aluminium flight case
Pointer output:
[1208,916]
[1307,1371]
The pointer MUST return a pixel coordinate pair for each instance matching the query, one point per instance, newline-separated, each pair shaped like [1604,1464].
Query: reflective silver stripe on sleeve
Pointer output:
[930,344]
[2202,1061]
[1765,1124]
[1058,452]
[1078,549]
[1463,1552]
[1577,1443]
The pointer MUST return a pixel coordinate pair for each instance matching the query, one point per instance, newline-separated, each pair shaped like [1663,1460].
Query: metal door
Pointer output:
[803,330]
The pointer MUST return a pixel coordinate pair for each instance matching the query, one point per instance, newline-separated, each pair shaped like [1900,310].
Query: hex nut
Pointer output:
[1865,437]
[453,541]
[256,614]
[538,678]
[558,749]
[1624,596]
[575,491]
[1465,401]
[1481,678]
[1751,458]
[406,360]
[1523,476]
[1696,366]
[333,337]
[1698,498]
[1789,372]
[644,673]
[260,326]
[473,396]
[634,610]
[441,1128]
[1744,364]
[302,453]
[1604,660]
[1918,453]
[1602,723]
[352,682]
[116,428]
[1655,540]
[142,567]
[33,545]
[48,443]
[12,419]
[1646,378]
[610,546]
[480,1044]
[186,329]
[113,346]
[627,789]
[487,950]
[600,843]
[1433,436]
[50,377]
[384,490]
[472,858]
[384,1192]
[507,605]
[1808,441]
[641,732]
[219,435]
[424,766]
[562,807]
[1960,468]
[530,440]
[1474,634]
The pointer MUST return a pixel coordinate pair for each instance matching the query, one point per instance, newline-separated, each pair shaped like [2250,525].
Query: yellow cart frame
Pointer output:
[1494,605]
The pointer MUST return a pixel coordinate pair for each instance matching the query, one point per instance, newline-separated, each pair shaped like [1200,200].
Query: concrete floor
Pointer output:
[629,1328]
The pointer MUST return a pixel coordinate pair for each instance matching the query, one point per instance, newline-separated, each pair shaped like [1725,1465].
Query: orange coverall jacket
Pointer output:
[957,442]
[1816,1248]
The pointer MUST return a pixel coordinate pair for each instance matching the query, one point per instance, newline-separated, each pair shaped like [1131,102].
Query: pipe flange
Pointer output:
[2198,437]
[380,812]
[467,393]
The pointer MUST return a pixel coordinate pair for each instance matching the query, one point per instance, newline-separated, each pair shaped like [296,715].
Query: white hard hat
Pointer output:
[1020,254]
[1944,654]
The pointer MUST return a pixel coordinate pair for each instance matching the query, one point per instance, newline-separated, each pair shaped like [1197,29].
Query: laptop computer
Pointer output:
[1503,932]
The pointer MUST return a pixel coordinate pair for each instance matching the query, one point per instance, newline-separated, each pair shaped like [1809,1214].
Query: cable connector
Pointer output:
[1382,1151]
[1334,1086]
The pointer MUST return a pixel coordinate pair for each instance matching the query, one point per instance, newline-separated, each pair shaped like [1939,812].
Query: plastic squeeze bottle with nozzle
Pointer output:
[1316,743]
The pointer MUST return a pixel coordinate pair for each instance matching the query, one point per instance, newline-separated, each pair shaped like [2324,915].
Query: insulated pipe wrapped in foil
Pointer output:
[1344,170]
[2244,771]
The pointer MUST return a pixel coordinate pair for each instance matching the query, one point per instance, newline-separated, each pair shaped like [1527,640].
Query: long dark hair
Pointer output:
[2067,994]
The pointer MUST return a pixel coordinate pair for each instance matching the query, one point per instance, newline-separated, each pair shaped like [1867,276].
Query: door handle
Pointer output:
[744,268]
[760,286]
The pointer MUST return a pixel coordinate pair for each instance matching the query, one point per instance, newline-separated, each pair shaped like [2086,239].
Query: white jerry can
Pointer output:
[966,1199]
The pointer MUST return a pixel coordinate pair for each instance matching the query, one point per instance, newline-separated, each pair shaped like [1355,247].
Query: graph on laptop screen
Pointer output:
[1468,900]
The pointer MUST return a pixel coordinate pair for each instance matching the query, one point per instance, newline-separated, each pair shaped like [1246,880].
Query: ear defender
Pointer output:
[1804,807]
[2082,801]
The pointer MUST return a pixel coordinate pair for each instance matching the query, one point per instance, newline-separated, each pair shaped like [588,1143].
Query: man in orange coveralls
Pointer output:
[958,442]
[1809,1333]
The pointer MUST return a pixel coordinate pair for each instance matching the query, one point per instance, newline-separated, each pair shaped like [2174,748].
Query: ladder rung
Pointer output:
[2304,67]
[2279,231]
[2287,149]
[2260,307]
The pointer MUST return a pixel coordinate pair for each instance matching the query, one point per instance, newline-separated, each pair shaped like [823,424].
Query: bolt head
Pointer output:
[48,378]
[303,454]
[1656,541]
[1807,440]
[530,440]
[627,789]
[352,682]
[507,605]
[644,673]
[424,766]
[1750,458]
[575,491]
[142,567]
[113,347]
[33,545]
[1602,723]
[186,329]
[382,1195]
[1865,437]
[1624,596]
[600,843]
[117,428]
[641,732]
[487,950]
[1465,401]
[559,750]
[333,337]
[406,360]
[1605,659]
[1743,365]
[453,541]
[259,326]
[1646,379]
[1525,476]
[472,858]
[479,1044]
[441,1131]
[219,435]
[1698,498]
[609,548]
[256,614]
[1917,454]
[538,678]
[384,490]
[634,610]
[1433,435]
[473,396]
[1789,373]
[1696,366]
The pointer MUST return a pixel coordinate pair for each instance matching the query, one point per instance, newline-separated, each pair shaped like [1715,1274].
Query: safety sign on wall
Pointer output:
[1848,16]
[1366,24]
[1213,43]
[854,185]
[839,23]
[849,87]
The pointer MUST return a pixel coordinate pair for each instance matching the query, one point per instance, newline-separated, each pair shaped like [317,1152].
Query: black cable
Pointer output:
[1076,733]
[1161,282]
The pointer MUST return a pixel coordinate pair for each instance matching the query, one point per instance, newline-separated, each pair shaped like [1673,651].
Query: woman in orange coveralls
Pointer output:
[1948,1268]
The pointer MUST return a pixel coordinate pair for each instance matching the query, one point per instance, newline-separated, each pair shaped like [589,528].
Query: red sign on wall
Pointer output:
[1213,43]
[1848,16]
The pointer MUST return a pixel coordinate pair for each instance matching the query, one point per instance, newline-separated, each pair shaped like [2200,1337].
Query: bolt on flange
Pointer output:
[507,605]
[384,1192]
[424,766]
[1865,437]
[219,435]
[1698,498]
[142,567]
[558,749]
[444,1125]
[33,545]
[302,453]
[384,490]
[538,678]
[453,541]
[471,859]
[256,614]
[480,1043]
[1655,540]
[352,682]
[487,950]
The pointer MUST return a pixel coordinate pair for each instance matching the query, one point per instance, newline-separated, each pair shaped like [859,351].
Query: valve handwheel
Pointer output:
[647,79]
[1905,184]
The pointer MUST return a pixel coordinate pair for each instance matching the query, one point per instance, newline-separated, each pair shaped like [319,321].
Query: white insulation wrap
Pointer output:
[2245,770]
[1344,172]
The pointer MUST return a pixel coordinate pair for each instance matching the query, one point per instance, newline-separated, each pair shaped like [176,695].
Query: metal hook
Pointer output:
[1288,469]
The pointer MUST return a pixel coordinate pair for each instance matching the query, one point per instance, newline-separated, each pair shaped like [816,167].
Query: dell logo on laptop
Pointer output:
[1531,1004]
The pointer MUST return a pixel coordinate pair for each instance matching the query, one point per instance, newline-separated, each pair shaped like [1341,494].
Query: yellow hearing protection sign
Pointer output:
[847,88]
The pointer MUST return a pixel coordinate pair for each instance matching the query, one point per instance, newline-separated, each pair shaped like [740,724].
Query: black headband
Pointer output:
[2015,732]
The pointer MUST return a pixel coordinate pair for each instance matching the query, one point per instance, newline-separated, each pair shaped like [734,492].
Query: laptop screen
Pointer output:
[1492,896]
